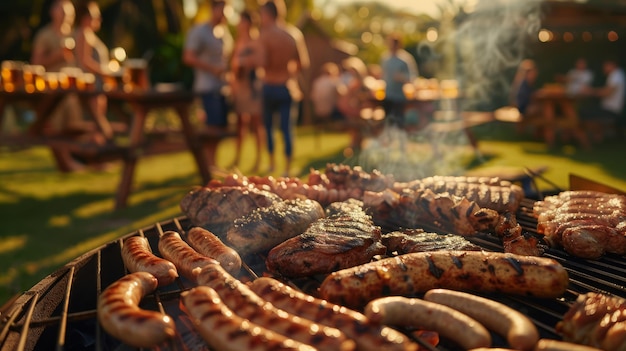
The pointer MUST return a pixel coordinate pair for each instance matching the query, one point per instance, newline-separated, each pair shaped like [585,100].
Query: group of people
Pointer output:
[70,40]
[341,93]
[254,73]
[606,107]
[261,66]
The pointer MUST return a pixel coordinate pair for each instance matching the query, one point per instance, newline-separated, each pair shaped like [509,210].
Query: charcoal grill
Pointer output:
[60,311]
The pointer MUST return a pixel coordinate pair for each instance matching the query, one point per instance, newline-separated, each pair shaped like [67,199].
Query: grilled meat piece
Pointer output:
[418,272]
[576,197]
[586,224]
[415,208]
[591,241]
[266,227]
[596,320]
[342,240]
[340,208]
[344,176]
[417,240]
[215,208]
[488,192]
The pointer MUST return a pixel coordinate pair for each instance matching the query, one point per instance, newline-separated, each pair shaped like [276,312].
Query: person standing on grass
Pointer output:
[246,86]
[207,50]
[284,56]
[398,68]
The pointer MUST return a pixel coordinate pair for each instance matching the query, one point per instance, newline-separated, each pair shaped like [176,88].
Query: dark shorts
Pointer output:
[395,110]
[216,109]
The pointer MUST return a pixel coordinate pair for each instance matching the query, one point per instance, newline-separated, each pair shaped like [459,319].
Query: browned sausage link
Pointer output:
[223,330]
[415,273]
[137,257]
[519,331]
[555,345]
[187,260]
[368,336]
[248,305]
[413,312]
[120,315]
[210,245]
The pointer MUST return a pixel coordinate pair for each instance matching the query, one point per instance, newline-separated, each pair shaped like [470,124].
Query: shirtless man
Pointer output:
[284,56]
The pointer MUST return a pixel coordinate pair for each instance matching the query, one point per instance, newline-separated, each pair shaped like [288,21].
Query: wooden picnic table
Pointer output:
[140,102]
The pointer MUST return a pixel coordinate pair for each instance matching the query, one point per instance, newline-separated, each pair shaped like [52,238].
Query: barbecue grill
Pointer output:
[60,311]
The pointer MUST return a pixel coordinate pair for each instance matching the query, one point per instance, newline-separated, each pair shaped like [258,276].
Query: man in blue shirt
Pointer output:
[399,68]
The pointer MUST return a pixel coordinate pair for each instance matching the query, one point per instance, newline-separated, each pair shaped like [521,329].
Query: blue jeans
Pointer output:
[215,108]
[276,98]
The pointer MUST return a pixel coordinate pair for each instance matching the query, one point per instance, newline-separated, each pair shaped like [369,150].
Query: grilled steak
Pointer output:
[215,208]
[417,240]
[346,238]
[266,227]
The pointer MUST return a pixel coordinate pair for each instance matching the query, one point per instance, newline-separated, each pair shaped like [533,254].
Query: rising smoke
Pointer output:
[490,42]
[481,50]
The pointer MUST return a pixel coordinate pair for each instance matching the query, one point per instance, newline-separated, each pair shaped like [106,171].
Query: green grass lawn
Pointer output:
[48,218]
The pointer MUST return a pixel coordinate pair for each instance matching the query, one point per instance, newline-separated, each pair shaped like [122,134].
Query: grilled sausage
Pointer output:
[224,330]
[368,336]
[137,257]
[555,345]
[414,273]
[519,331]
[187,260]
[120,315]
[248,305]
[210,245]
[412,312]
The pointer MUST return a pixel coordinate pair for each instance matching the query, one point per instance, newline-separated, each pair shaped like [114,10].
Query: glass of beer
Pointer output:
[135,77]
[12,75]
[33,78]
[52,80]
[70,77]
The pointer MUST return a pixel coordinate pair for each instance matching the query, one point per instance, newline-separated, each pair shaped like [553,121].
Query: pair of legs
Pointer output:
[245,122]
[216,119]
[276,98]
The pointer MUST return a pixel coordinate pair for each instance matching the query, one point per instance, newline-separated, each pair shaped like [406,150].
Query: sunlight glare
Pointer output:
[12,243]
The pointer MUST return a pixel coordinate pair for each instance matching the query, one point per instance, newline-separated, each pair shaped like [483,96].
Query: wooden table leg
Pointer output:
[130,161]
[182,109]
[102,123]
[43,110]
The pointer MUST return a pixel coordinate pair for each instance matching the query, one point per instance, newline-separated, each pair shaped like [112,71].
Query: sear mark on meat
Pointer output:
[586,224]
[215,208]
[346,238]
[597,320]
[417,240]
[266,227]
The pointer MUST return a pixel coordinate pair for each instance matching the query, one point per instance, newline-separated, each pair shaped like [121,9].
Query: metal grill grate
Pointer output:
[60,311]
